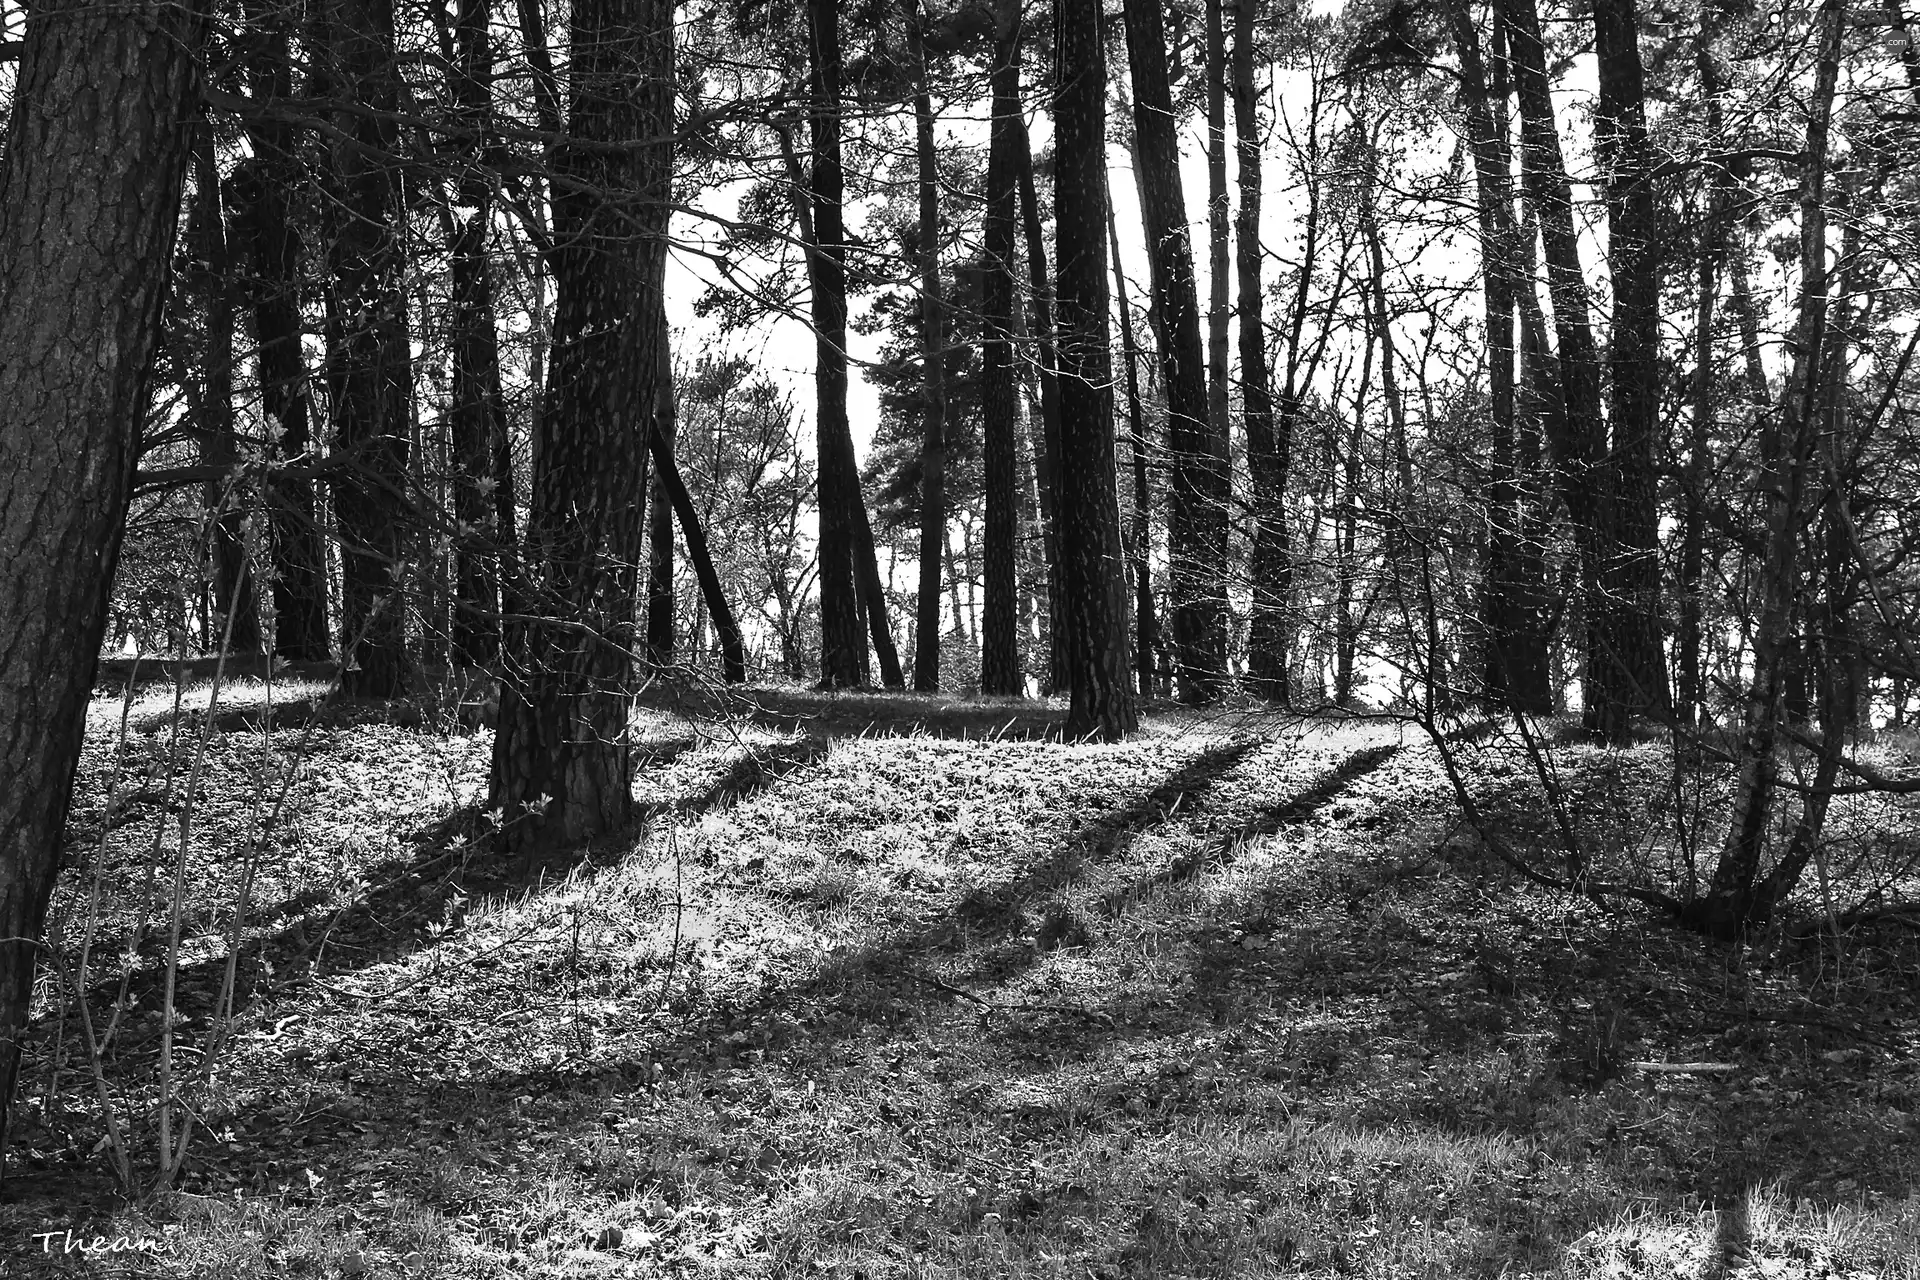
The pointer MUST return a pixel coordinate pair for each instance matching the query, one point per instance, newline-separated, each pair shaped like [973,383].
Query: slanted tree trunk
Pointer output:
[269,250]
[999,635]
[369,363]
[1093,603]
[933,360]
[478,414]
[1580,442]
[562,757]
[673,490]
[98,139]
[219,447]
[1196,459]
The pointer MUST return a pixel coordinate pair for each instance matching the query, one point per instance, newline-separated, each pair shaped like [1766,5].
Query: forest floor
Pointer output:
[886,986]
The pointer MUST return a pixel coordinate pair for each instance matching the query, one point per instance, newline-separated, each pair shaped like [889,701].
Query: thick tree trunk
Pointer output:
[999,636]
[843,654]
[1197,459]
[1580,444]
[478,417]
[269,249]
[1516,659]
[1632,573]
[213,279]
[1092,606]
[562,757]
[97,146]
[933,359]
[369,363]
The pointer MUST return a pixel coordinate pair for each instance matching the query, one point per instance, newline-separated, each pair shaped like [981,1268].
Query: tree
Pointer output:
[999,647]
[562,758]
[1091,609]
[97,148]
[933,451]
[1196,457]
[369,362]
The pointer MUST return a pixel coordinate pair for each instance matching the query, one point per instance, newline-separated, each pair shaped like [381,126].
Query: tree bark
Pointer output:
[1146,625]
[1267,639]
[369,362]
[933,357]
[1047,459]
[1219,250]
[1197,459]
[562,761]
[270,249]
[999,635]
[661,601]
[1632,573]
[478,417]
[1093,607]
[97,146]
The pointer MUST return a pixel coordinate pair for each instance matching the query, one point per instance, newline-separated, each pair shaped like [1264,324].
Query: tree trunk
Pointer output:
[478,414]
[843,655]
[98,139]
[1731,903]
[1146,634]
[933,360]
[1092,605]
[661,511]
[369,363]
[562,757]
[1267,640]
[1047,461]
[1579,445]
[1632,573]
[669,484]
[1197,462]
[1516,673]
[269,248]
[219,447]
[1219,265]
[999,636]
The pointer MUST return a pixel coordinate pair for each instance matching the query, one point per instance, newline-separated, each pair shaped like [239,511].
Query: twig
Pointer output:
[1687,1068]
[1000,1006]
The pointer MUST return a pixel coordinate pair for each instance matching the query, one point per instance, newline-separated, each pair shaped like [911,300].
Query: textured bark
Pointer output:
[212,279]
[1516,674]
[1093,607]
[999,636]
[660,595]
[478,417]
[1631,576]
[1579,437]
[97,148]
[269,252]
[562,760]
[1196,458]
[933,359]
[369,362]
[843,655]
[1267,633]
